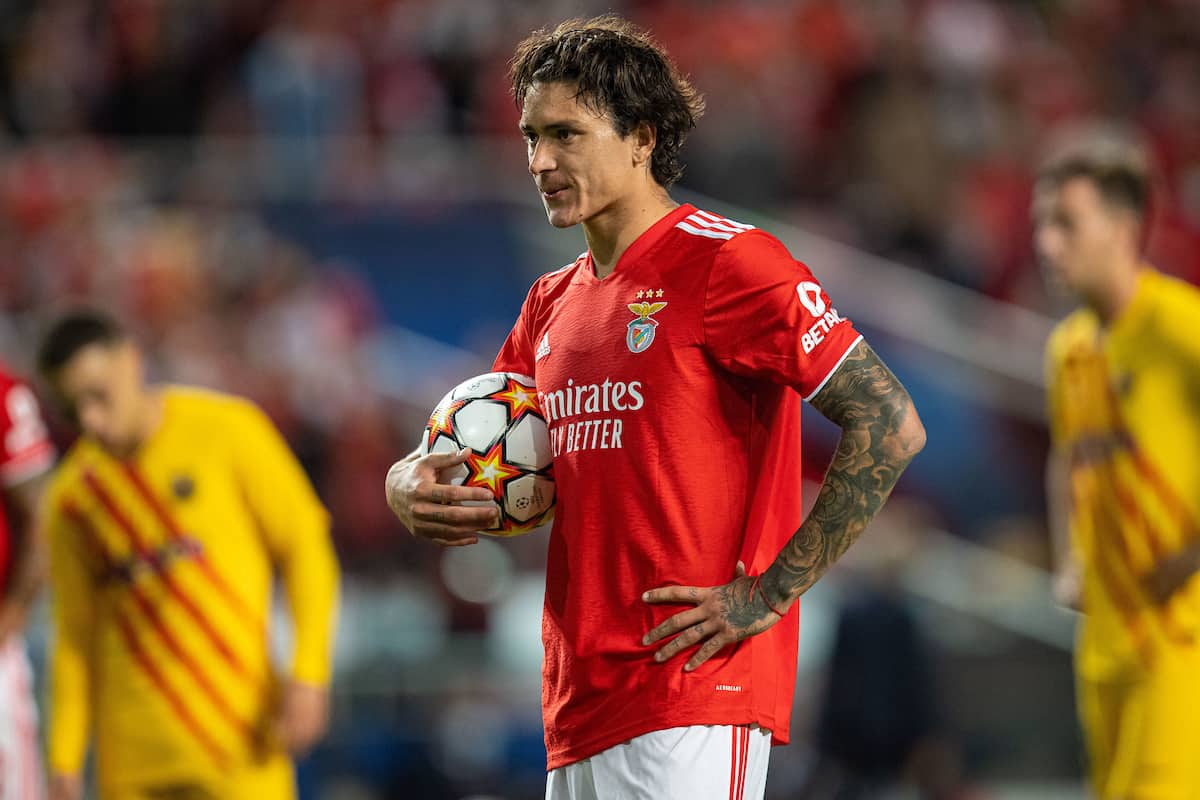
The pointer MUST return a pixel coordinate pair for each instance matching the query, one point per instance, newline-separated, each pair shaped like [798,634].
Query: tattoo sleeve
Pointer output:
[881,434]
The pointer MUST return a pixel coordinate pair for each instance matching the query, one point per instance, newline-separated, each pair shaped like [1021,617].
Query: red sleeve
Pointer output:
[25,448]
[517,352]
[767,317]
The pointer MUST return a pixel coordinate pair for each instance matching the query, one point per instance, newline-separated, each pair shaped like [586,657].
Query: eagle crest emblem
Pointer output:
[639,334]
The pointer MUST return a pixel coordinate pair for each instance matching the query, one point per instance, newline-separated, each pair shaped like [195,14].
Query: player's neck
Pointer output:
[610,232]
[149,420]
[1117,292]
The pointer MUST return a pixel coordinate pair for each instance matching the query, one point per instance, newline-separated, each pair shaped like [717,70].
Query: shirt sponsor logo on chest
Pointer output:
[562,408]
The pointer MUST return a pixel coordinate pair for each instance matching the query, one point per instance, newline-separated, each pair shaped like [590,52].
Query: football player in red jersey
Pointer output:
[696,337]
[26,456]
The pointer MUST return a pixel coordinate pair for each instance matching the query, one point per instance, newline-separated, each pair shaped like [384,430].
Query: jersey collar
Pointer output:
[638,247]
[1130,317]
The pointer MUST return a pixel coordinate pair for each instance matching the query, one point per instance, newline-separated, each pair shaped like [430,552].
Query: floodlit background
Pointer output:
[324,206]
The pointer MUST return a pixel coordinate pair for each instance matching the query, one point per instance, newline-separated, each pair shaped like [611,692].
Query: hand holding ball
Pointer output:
[496,416]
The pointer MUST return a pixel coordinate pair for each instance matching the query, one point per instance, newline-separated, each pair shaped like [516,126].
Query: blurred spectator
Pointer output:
[306,84]
[879,732]
[916,121]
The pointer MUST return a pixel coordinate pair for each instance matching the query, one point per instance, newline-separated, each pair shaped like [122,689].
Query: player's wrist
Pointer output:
[775,596]
[66,774]
[24,591]
[12,611]
[1193,558]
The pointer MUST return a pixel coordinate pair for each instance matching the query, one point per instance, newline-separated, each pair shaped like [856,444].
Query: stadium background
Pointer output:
[324,206]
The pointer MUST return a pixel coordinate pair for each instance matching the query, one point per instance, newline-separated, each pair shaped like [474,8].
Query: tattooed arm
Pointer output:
[881,434]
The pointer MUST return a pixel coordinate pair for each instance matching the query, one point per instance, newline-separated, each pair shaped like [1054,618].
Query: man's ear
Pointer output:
[644,138]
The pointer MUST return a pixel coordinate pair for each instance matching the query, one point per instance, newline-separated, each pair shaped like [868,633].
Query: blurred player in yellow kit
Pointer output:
[1124,473]
[166,522]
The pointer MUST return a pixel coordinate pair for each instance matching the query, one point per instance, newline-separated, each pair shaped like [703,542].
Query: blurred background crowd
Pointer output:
[324,206]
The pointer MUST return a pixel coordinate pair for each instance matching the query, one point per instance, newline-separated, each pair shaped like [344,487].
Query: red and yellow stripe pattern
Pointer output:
[163,614]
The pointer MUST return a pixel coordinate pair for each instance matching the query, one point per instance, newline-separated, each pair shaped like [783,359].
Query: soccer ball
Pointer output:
[498,418]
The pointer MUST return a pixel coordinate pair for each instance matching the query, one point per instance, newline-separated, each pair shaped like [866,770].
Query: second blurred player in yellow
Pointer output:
[1124,472]
[167,521]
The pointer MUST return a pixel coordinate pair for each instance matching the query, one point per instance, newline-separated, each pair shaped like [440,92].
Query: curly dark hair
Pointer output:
[618,69]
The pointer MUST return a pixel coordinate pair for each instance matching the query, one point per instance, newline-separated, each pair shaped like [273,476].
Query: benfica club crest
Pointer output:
[640,333]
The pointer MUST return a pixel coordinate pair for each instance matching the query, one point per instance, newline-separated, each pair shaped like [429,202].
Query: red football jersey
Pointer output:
[673,392]
[25,449]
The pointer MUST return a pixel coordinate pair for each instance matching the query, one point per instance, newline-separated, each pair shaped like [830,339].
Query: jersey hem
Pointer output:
[565,756]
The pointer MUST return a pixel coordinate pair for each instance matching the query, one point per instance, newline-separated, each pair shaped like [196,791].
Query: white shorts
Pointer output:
[698,762]
[20,764]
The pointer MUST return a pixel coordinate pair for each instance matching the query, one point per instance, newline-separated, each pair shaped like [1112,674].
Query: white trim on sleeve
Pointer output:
[829,375]
[28,465]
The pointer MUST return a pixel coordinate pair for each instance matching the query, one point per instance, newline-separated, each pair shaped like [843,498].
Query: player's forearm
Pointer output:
[311,581]
[1068,579]
[66,745]
[28,571]
[881,434]
[29,561]
[1058,504]
[74,594]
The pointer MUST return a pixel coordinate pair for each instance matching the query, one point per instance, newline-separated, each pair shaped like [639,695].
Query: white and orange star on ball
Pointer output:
[489,470]
[519,399]
[442,421]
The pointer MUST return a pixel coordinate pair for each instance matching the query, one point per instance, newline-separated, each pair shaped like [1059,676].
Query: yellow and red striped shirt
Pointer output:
[162,572]
[1124,407]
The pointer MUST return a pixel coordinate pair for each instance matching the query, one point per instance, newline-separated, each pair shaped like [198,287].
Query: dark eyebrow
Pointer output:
[553,126]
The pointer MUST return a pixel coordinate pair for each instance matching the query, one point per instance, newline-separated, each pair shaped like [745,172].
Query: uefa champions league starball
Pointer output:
[498,418]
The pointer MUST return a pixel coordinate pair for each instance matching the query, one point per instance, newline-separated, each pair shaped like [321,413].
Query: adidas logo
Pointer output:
[543,349]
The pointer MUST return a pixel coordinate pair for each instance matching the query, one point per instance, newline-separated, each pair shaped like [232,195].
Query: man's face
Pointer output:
[1076,233]
[102,388]
[581,165]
